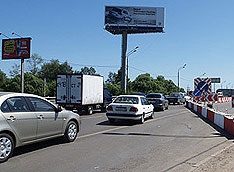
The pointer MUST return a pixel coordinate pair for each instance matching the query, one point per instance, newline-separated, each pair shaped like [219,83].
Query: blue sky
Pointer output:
[199,33]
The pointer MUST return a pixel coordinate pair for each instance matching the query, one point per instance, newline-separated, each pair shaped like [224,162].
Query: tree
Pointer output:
[3,80]
[33,84]
[144,83]
[113,83]
[15,71]
[87,71]
[114,78]
[51,89]
[34,62]
[52,69]
[13,84]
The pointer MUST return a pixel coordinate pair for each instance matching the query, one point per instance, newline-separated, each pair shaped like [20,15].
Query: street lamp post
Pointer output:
[179,76]
[128,54]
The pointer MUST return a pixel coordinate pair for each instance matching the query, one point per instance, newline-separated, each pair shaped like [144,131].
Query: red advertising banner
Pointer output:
[16,48]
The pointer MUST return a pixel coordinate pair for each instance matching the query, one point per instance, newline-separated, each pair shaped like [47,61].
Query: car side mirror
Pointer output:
[58,109]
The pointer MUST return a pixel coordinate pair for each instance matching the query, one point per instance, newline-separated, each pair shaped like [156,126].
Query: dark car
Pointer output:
[158,100]
[176,98]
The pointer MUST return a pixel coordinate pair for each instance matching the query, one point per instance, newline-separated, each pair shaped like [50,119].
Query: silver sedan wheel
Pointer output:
[6,147]
[71,131]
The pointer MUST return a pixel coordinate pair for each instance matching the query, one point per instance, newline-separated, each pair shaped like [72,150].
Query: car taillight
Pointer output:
[160,101]
[109,108]
[133,109]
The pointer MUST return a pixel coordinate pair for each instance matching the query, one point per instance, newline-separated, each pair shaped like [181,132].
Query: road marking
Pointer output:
[121,127]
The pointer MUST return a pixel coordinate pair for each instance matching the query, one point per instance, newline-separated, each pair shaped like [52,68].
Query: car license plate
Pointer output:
[123,109]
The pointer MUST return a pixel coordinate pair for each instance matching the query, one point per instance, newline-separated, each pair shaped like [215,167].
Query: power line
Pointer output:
[88,65]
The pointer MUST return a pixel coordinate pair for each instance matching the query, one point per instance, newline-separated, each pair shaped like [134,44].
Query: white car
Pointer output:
[133,107]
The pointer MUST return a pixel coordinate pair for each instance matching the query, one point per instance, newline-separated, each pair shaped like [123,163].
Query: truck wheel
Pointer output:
[7,147]
[90,110]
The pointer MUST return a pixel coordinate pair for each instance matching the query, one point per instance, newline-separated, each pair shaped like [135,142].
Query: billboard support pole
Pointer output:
[22,75]
[123,66]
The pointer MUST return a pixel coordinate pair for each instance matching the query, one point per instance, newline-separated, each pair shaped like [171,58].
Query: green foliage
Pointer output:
[34,63]
[52,69]
[15,70]
[114,78]
[3,80]
[33,84]
[115,89]
[51,89]
[34,80]
[86,71]
[13,84]
[113,83]
[144,83]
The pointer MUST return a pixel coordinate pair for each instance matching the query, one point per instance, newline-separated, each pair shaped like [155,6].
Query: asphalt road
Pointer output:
[175,140]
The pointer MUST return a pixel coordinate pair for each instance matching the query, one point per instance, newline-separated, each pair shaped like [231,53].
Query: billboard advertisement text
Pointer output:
[16,48]
[134,17]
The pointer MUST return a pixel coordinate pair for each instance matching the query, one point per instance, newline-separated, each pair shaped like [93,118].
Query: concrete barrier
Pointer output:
[219,120]
[229,125]
[204,112]
[223,120]
[210,115]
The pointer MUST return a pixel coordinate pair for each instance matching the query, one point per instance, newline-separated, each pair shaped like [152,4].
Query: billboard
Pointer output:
[134,19]
[215,80]
[16,48]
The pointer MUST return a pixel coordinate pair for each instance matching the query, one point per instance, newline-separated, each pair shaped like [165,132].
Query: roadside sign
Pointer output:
[197,93]
[212,97]
[202,86]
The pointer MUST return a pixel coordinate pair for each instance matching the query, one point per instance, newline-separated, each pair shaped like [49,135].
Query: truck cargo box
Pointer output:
[79,89]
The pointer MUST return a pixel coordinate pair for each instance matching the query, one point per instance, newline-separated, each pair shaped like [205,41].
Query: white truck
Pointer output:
[81,92]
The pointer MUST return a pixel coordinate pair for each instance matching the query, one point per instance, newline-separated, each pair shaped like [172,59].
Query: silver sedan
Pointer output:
[27,118]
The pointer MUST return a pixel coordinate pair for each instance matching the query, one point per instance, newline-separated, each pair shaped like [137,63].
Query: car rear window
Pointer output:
[126,100]
[153,96]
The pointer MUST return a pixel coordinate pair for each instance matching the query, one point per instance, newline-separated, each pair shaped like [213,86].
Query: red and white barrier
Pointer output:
[223,120]
[219,120]
[224,99]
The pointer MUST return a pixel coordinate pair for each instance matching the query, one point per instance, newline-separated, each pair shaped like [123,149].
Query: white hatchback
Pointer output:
[133,107]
